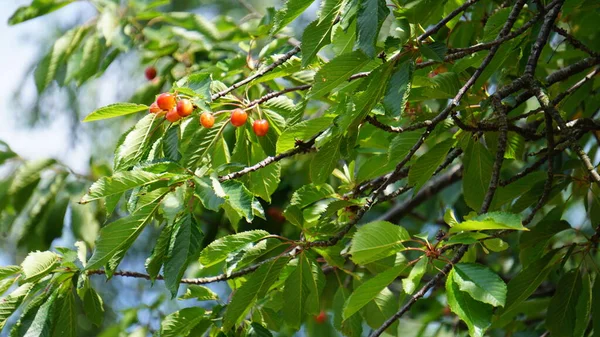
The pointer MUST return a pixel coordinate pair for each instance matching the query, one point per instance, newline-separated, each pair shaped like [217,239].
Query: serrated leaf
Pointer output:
[317,35]
[398,90]
[199,144]
[367,291]
[370,17]
[435,51]
[290,11]
[302,131]
[490,221]
[38,264]
[199,293]
[115,238]
[37,8]
[411,282]
[90,61]
[584,304]
[336,72]
[239,199]
[351,326]
[255,287]
[475,314]
[380,309]
[93,306]
[302,290]
[10,303]
[184,248]
[520,287]
[155,261]
[115,110]
[325,160]
[376,240]
[136,142]
[480,283]
[596,304]
[562,310]
[121,182]
[219,249]
[65,315]
[7,271]
[28,174]
[425,165]
[180,323]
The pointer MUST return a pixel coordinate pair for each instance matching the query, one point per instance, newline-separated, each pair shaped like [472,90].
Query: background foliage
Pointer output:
[423,173]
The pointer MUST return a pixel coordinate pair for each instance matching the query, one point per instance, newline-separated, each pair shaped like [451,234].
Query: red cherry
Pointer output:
[238,117]
[260,127]
[154,108]
[150,73]
[173,116]
[185,107]
[207,120]
[276,214]
[166,101]
[419,59]
[321,317]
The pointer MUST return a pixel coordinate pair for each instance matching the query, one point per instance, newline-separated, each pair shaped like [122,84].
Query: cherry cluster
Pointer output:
[175,108]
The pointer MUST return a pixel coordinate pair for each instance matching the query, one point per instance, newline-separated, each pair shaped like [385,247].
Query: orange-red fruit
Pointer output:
[238,117]
[150,73]
[260,127]
[276,214]
[172,116]
[185,107]
[321,317]
[154,108]
[207,120]
[166,101]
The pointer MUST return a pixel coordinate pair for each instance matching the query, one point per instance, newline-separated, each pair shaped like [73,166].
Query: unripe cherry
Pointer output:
[150,73]
[260,127]
[172,116]
[184,107]
[166,101]
[238,117]
[207,120]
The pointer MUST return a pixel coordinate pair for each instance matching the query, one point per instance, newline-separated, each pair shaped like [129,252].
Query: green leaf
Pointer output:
[7,271]
[115,110]
[351,326]
[115,238]
[47,69]
[317,35]
[42,322]
[495,23]
[136,142]
[410,284]
[370,17]
[424,166]
[28,174]
[199,293]
[435,51]
[10,303]
[398,90]
[184,248]
[383,306]
[475,314]
[239,198]
[377,85]
[478,163]
[38,264]
[336,72]
[481,283]
[65,314]
[37,8]
[180,323]
[302,131]
[526,282]
[257,330]
[301,291]
[596,305]
[255,287]
[90,61]
[325,160]
[155,261]
[93,306]
[209,199]
[490,221]
[584,307]
[562,310]
[377,240]
[290,11]
[121,182]
[200,144]
[533,243]
[219,249]
[367,291]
